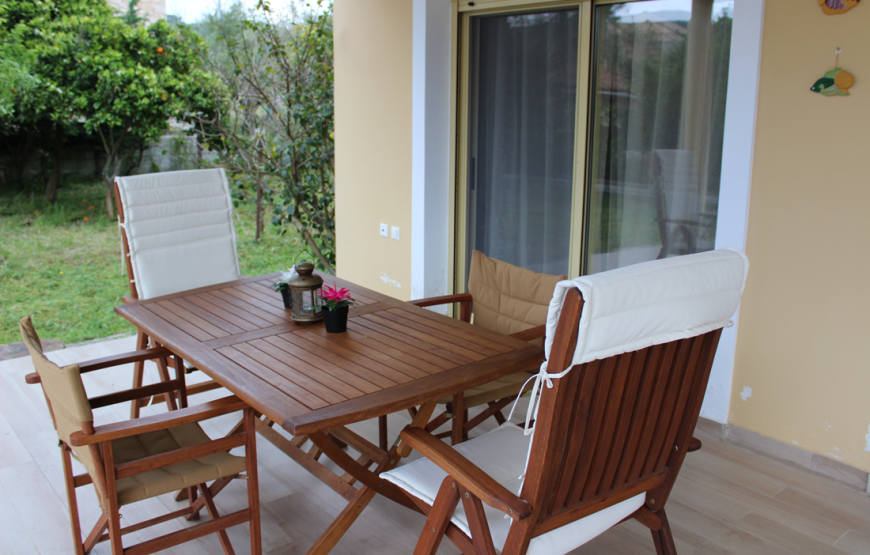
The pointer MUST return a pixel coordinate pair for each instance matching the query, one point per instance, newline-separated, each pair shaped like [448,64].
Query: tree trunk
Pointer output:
[259,212]
[110,170]
[306,236]
[57,170]
[21,152]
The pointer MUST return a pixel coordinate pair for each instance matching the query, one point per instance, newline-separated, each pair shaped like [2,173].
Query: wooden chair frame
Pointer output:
[579,432]
[99,440]
[456,412]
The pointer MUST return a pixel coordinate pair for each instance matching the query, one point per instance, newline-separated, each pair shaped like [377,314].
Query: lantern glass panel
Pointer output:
[306,301]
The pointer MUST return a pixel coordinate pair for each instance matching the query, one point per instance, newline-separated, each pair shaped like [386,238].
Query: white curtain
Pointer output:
[521,131]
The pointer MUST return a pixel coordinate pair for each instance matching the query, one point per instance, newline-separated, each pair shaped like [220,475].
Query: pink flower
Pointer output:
[335,298]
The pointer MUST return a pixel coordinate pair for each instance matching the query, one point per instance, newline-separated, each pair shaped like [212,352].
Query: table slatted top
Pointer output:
[394,355]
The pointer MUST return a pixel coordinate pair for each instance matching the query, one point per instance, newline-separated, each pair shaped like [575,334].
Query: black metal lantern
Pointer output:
[304,292]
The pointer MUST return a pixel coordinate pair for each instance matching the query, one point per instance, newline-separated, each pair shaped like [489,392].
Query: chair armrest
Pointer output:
[114,360]
[466,473]
[124,358]
[156,422]
[446,299]
[532,333]
[141,392]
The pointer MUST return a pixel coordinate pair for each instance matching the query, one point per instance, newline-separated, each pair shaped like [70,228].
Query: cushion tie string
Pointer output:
[534,399]
[542,377]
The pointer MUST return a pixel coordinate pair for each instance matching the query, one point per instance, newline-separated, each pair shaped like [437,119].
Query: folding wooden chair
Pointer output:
[627,369]
[506,299]
[145,457]
[178,234]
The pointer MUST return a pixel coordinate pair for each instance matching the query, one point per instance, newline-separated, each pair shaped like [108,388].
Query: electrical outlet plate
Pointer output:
[395,233]
[385,230]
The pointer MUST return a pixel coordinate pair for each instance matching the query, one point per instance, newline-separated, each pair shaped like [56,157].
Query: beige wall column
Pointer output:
[373,63]
[802,372]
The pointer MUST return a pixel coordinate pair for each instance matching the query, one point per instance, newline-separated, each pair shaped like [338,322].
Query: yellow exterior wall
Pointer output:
[802,361]
[373,44]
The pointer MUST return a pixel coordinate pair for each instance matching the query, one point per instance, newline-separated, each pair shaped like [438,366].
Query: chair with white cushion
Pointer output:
[629,353]
[178,234]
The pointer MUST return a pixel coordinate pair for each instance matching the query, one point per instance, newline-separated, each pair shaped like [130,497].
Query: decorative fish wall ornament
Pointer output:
[835,7]
[835,83]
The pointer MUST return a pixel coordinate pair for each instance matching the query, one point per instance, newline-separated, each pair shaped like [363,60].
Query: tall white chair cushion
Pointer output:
[180,230]
[652,303]
[501,453]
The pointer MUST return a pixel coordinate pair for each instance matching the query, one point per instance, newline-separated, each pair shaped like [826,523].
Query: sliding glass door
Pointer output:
[521,131]
[591,133]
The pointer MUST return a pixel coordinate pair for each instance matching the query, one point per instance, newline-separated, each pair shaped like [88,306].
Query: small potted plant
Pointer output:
[335,306]
[283,287]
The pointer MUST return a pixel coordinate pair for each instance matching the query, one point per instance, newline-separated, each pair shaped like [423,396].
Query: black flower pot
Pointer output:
[285,294]
[335,320]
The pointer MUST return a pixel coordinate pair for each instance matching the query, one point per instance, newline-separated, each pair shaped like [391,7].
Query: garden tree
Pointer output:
[37,114]
[128,82]
[273,130]
[109,80]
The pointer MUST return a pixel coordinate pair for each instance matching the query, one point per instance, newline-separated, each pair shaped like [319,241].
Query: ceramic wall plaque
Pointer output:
[836,7]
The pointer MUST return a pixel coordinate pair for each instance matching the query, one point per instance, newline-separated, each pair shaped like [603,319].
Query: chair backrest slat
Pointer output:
[592,438]
[662,420]
[634,434]
[629,365]
[670,423]
[660,373]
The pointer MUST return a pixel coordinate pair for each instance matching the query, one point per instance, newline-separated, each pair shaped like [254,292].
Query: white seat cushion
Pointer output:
[501,453]
[180,230]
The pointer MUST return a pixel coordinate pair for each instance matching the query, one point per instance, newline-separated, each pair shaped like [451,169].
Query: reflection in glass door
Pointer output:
[660,76]
[521,125]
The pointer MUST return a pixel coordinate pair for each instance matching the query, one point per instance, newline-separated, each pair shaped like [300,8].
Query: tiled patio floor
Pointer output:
[726,501]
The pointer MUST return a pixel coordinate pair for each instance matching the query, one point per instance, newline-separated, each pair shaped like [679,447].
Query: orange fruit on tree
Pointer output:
[160,50]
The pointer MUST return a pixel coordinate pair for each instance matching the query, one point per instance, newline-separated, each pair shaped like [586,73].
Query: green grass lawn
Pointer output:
[62,263]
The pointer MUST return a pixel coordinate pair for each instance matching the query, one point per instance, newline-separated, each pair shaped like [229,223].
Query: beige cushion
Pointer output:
[64,391]
[177,476]
[508,299]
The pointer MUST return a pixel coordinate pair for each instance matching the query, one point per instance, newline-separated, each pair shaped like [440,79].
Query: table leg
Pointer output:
[138,374]
[382,432]
[365,494]
[459,418]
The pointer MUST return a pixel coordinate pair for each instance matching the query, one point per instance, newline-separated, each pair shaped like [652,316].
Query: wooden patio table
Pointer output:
[394,356]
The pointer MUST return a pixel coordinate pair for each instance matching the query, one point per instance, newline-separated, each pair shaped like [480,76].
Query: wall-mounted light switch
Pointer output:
[395,232]
[384,230]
